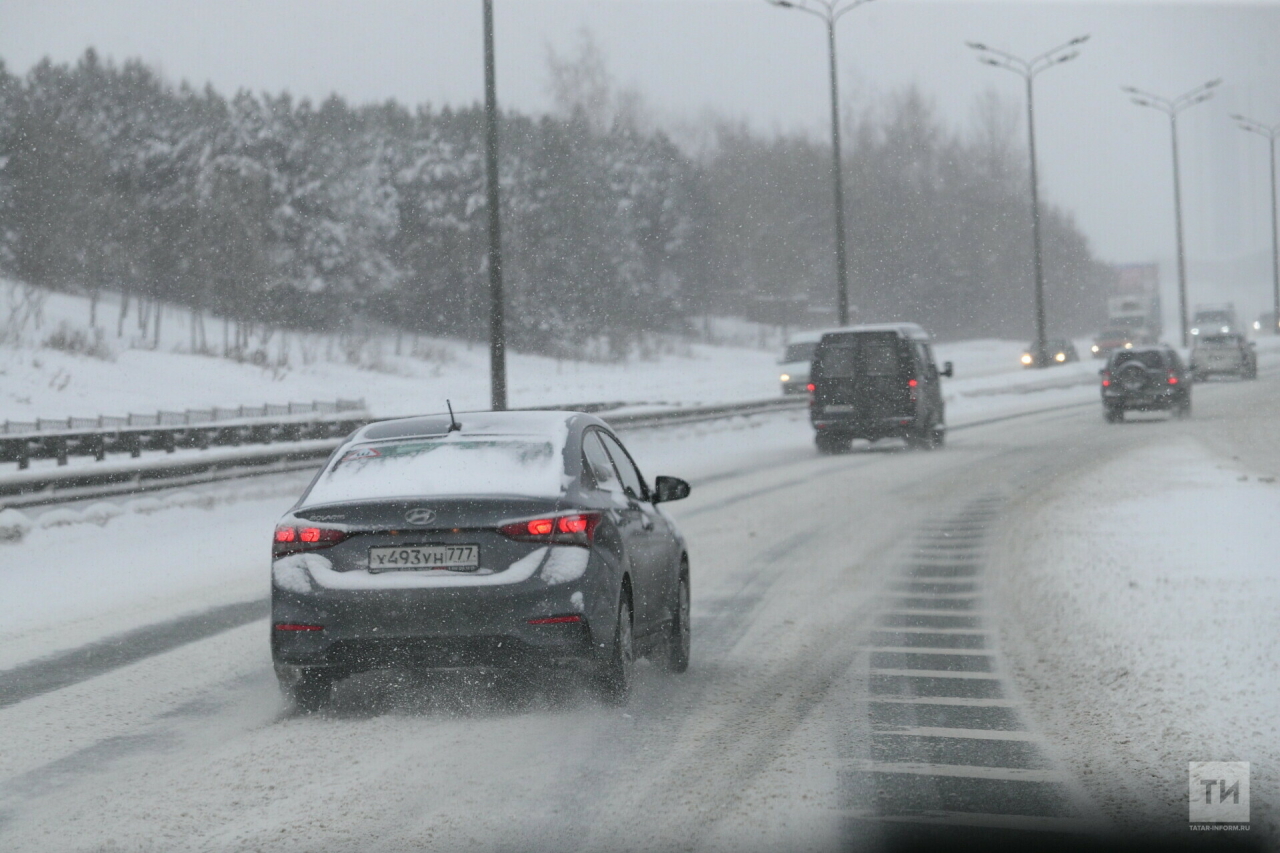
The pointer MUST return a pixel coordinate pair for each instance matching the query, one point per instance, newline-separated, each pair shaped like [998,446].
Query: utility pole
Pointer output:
[829,12]
[1028,69]
[1171,107]
[1270,134]
[497,331]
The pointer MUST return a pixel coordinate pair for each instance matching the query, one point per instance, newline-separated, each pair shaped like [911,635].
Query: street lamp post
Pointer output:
[1028,69]
[1270,133]
[1171,107]
[497,324]
[830,11]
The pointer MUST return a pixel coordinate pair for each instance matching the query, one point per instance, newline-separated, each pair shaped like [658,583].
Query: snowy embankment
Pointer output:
[1161,569]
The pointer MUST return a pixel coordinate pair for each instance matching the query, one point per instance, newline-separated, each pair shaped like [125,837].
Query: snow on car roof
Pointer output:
[495,453]
[912,331]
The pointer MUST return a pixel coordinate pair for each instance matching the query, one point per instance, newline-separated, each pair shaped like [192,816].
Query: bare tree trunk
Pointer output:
[124,311]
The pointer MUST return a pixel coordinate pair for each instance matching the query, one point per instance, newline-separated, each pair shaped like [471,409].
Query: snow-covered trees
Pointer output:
[262,208]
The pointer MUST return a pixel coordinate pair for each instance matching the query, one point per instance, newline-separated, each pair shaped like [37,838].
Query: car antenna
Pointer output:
[454,426]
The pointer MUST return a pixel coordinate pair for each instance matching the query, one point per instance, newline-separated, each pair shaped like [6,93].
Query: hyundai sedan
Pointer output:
[511,540]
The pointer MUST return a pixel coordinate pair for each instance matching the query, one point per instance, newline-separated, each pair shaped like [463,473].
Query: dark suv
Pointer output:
[1145,379]
[876,381]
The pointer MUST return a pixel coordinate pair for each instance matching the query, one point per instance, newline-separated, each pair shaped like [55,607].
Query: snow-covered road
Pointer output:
[877,647]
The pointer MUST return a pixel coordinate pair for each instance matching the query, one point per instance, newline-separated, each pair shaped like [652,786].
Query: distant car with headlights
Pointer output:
[1057,351]
[1145,379]
[1267,324]
[797,356]
[1214,320]
[510,540]
[1223,355]
[1109,340]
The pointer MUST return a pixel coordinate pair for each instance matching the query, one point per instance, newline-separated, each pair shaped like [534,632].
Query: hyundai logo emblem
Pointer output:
[421,515]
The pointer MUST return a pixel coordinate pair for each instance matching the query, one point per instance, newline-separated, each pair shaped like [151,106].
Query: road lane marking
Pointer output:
[936,673]
[958,771]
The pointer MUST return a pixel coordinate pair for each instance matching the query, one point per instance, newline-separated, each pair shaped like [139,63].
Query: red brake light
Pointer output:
[575,529]
[555,620]
[911,383]
[811,387]
[292,626]
[290,540]
[1173,380]
[1106,380]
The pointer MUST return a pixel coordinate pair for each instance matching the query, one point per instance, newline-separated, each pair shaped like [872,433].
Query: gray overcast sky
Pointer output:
[1102,158]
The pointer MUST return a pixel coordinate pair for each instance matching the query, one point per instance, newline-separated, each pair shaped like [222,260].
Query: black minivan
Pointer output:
[876,381]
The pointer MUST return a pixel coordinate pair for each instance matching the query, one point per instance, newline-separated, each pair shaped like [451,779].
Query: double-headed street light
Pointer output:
[1271,133]
[1028,69]
[830,11]
[1172,107]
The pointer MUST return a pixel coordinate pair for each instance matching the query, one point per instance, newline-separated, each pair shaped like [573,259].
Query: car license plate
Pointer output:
[838,410]
[408,557]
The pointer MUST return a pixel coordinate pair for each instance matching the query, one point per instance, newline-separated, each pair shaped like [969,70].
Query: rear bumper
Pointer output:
[433,628]
[1153,402]
[868,428]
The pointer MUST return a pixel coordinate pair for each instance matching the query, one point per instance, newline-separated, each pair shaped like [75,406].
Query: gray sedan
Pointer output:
[505,540]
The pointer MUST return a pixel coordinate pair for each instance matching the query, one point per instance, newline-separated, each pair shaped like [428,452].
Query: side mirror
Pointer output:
[948,370]
[666,489]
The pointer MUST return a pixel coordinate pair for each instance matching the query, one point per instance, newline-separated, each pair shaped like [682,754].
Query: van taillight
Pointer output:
[1106,380]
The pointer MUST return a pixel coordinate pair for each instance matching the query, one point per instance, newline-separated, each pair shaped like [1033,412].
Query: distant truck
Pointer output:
[1133,309]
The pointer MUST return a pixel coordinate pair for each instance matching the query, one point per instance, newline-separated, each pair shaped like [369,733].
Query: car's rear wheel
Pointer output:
[616,675]
[679,640]
[1113,414]
[829,444]
[1183,409]
[309,690]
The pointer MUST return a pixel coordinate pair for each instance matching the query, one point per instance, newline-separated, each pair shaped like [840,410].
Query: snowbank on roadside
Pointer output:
[1154,583]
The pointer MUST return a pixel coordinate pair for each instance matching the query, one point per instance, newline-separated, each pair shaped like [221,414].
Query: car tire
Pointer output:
[829,445]
[938,437]
[309,691]
[617,673]
[1113,414]
[679,636]
[1183,409]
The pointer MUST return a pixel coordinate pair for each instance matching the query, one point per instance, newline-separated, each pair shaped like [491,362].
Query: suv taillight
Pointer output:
[1173,378]
[291,540]
[1106,379]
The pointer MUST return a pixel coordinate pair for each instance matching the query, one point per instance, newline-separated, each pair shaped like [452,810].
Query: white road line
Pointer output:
[969,734]
[943,700]
[959,771]
[1034,823]
[910,593]
[937,673]
[910,612]
[928,650]
[912,629]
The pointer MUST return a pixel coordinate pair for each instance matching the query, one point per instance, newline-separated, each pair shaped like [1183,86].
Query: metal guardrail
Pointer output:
[36,488]
[43,438]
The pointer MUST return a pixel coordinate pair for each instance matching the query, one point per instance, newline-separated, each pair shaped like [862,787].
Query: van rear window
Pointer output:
[852,356]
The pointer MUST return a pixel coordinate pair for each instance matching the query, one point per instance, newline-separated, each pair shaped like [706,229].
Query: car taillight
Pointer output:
[577,528]
[911,383]
[811,387]
[1106,380]
[291,540]
[1173,379]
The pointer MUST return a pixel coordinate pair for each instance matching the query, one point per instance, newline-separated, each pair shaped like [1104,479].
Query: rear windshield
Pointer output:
[799,352]
[1153,360]
[1213,317]
[850,356]
[442,465]
[1219,342]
